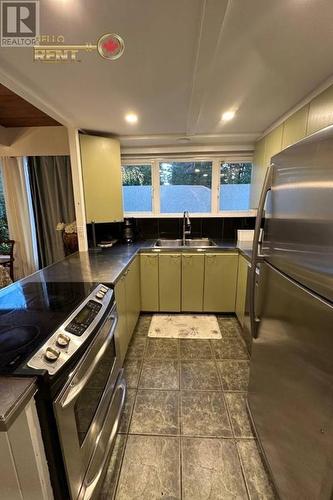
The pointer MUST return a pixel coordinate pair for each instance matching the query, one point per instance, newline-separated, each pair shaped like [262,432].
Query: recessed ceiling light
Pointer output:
[197,170]
[131,118]
[205,175]
[228,115]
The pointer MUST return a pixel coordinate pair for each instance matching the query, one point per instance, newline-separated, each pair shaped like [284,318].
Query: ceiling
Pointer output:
[17,112]
[185,62]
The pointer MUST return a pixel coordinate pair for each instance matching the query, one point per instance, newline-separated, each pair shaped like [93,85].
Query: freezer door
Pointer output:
[298,233]
[291,387]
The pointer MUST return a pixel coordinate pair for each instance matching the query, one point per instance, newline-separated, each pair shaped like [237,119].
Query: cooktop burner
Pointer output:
[16,337]
[30,312]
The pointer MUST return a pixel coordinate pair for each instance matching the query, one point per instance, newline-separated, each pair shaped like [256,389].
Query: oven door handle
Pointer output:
[75,387]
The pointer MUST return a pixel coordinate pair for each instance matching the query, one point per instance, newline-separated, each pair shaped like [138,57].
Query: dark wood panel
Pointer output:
[17,112]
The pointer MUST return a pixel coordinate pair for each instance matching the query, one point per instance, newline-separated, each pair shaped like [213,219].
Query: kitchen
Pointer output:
[166,249]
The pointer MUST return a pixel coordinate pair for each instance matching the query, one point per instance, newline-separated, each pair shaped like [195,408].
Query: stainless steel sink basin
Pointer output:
[200,243]
[168,243]
[191,243]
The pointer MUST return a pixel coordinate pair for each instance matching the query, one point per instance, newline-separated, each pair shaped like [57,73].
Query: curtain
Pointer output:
[19,216]
[53,202]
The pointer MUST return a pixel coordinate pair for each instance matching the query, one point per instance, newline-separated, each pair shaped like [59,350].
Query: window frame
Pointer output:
[215,197]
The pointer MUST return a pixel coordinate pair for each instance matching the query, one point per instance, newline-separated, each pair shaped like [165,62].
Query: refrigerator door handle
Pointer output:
[252,306]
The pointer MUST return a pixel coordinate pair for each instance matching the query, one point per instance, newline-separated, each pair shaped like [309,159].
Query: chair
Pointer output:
[7,260]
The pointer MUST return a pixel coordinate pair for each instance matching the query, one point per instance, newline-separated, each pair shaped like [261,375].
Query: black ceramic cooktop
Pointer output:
[30,313]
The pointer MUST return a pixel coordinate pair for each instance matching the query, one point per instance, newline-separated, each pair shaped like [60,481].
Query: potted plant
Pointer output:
[69,236]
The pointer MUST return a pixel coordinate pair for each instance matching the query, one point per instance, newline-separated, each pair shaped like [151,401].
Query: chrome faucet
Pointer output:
[186,226]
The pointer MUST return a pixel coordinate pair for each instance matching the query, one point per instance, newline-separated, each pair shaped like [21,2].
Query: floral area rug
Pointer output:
[184,326]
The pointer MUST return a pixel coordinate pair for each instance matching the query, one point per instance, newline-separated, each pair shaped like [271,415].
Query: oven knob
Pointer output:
[104,289]
[63,340]
[99,295]
[51,354]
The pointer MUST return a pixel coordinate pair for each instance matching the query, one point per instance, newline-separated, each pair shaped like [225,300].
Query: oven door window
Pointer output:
[88,401]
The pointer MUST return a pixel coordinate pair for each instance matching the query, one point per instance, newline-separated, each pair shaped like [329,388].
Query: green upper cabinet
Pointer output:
[258,172]
[170,282]
[267,147]
[133,300]
[295,127]
[220,282]
[273,144]
[193,268]
[149,282]
[243,267]
[102,181]
[321,111]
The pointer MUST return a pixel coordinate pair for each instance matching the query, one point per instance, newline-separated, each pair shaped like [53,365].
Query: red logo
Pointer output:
[111,46]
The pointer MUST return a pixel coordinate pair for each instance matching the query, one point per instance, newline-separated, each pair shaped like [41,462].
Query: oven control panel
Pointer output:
[85,317]
[73,332]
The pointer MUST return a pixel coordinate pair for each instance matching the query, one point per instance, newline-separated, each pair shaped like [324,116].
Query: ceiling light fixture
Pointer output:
[131,118]
[197,170]
[228,115]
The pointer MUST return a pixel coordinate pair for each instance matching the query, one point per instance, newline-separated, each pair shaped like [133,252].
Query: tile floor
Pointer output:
[185,433]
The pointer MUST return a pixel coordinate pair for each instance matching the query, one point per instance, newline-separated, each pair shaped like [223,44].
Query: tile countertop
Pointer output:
[102,267]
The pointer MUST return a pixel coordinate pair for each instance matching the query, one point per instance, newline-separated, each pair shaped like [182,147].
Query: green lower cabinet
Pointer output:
[193,268]
[243,267]
[149,282]
[133,301]
[220,282]
[124,335]
[169,266]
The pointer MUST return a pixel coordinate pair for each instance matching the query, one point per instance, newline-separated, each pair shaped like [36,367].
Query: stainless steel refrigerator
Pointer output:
[290,395]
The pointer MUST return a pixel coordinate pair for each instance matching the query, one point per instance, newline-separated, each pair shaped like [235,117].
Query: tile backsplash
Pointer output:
[148,228]
[225,228]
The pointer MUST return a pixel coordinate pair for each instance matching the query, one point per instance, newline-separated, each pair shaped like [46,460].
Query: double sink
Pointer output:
[189,243]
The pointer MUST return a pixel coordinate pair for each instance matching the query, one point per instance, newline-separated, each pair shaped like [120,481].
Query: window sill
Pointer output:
[229,213]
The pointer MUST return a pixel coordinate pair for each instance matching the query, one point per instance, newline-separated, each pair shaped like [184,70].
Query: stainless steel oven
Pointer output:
[88,408]
[66,336]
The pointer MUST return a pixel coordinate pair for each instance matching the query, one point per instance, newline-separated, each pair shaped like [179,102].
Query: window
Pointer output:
[235,184]
[186,186]
[210,186]
[137,188]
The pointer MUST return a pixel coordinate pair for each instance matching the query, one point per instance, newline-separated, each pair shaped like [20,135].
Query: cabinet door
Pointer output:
[149,282]
[193,266]
[273,144]
[133,302]
[220,282]
[294,128]
[169,282]
[258,172]
[321,111]
[101,170]
[122,329]
[243,267]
